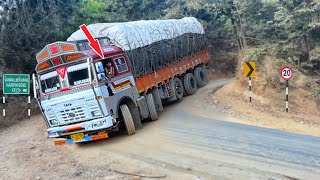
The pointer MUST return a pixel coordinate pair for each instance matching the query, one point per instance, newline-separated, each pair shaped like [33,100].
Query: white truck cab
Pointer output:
[78,101]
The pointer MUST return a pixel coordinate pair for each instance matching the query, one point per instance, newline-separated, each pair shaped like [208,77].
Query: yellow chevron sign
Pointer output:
[249,69]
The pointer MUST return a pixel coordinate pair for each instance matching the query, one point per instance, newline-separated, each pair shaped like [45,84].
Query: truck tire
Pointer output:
[205,73]
[178,86]
[127,118]
[190,84]
[136,117]
[152,108]
[200,76]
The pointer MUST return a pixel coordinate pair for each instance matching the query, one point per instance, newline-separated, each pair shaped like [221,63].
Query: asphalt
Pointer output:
[193,140]
[245,139]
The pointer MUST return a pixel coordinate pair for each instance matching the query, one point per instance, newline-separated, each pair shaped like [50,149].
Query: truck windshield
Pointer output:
[50,82]
[76,75]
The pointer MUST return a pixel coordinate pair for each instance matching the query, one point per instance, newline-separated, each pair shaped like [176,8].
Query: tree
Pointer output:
[300,21]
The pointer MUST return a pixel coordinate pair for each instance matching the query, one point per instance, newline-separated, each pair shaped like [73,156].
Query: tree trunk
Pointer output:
[236,32]
[305,49]
[238,26]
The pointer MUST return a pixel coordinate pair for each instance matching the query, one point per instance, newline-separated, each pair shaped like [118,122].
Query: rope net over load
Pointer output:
[151,44]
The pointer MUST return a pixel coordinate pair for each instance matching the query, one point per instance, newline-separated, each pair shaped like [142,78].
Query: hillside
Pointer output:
[267,108]
[286,30]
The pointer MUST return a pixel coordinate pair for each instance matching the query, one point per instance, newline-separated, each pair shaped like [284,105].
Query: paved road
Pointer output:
[250,140]
[190,141]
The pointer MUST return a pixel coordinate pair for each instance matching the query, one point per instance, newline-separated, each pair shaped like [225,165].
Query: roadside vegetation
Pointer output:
[270,32]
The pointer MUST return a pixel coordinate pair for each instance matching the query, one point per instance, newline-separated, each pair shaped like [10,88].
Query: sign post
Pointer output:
[4,107]
[16,84]
[286,74]
[249,70]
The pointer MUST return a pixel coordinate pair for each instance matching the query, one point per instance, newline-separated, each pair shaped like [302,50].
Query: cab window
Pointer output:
[49,82]
[105,69]
[121,65]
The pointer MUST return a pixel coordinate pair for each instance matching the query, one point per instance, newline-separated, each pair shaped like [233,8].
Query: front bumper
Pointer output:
[93,125]
[84,139]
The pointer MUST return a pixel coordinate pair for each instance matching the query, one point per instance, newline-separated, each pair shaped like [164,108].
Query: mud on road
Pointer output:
[189,141]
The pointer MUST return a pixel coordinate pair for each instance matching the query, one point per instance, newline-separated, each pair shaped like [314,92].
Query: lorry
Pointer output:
[84,97]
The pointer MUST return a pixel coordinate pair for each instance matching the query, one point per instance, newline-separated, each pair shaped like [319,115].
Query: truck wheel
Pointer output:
[205,73]
[184,89]
[190,84]
[136,118]
[200,76]
[178,86]
[127,118]
[152,108]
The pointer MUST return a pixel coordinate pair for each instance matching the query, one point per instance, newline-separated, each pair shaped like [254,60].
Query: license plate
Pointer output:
[77,137]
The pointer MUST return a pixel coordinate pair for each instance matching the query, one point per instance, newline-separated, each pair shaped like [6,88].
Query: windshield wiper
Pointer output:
[53,82]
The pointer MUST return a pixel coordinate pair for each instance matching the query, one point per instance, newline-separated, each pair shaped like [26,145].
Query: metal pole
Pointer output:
[89,70]
[4,107]
[287,96]
[34,85]
[250,88]
[29,111]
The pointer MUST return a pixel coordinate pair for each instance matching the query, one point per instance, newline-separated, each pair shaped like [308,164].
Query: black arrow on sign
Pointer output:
[251,69]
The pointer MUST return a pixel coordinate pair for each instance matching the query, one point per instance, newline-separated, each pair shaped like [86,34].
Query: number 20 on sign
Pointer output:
[286,73]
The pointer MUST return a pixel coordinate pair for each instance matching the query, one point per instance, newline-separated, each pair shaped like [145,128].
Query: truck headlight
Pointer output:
[96,113]
[54,122]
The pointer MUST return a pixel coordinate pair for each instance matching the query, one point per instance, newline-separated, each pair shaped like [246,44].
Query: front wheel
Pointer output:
[128,120]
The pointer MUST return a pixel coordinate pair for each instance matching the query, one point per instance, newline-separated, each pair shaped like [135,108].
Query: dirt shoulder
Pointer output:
[27,153]
[267,109]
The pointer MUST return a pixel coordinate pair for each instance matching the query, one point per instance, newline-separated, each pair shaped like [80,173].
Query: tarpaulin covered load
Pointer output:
[135,34]
[151,44]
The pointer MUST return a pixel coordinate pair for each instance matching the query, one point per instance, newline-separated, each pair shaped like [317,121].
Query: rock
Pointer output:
[112,177]
[78,173]
[136,178]
[38,178]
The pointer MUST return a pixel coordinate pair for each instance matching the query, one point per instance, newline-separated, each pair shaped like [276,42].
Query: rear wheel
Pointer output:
[205,73]
[178,86]
[136,117]
[200,76]
[128,120]
[190,84]
[152,108]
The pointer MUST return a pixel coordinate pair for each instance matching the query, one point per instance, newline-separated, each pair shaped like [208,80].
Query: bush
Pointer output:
[267,69]
[313,86]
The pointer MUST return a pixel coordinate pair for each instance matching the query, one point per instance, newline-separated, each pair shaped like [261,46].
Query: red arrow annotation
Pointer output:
[93,43]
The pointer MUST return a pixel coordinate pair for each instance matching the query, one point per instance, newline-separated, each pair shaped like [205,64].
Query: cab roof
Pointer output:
[58,53]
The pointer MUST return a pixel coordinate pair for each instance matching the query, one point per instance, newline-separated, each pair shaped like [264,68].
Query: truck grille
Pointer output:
[73,114]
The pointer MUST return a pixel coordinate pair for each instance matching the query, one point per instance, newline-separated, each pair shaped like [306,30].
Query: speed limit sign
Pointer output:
[286,73]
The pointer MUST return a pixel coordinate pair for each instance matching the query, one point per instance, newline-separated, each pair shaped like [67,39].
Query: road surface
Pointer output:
[191,140]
